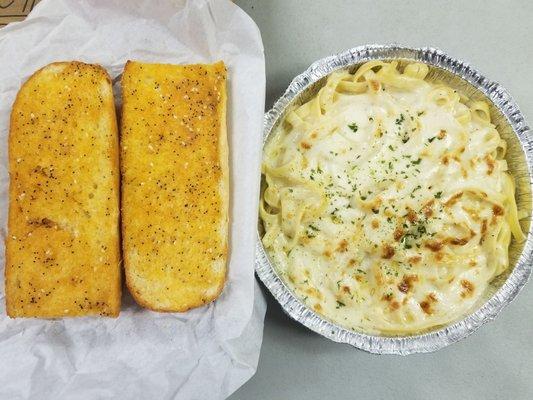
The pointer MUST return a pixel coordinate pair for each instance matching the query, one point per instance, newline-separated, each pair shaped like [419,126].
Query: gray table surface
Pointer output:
[497,361]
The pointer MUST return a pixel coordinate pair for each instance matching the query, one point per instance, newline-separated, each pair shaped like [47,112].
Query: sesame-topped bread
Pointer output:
[63,244]
[174,183]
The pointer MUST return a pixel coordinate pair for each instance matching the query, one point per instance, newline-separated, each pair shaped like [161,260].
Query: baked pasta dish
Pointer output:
[387,204]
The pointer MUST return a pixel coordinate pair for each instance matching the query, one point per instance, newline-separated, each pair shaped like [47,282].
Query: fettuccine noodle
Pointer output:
[388,206]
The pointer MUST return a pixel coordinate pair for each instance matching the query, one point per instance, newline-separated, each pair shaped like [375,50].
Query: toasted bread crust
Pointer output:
[175,189]
[63,246]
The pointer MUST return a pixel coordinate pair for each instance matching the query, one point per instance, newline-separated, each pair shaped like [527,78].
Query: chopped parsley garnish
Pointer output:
[438,195]
[353,126]
[414,190]
[391,148]
[314,228]
[334,217]
[400,120]
[336,220]
[340,304]
[415,230]
[416,162]
[431,139]
[310,234]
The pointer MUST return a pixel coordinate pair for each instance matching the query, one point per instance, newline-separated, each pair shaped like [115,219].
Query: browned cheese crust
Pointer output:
[174,183]
[63,245]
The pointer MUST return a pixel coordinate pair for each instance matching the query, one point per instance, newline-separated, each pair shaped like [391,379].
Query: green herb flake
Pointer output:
[400,120]
[414,190]
[310,235]
[314,228]
[353,126]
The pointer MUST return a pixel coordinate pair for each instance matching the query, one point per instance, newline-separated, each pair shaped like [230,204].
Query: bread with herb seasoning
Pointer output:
[63,245]
[174,183]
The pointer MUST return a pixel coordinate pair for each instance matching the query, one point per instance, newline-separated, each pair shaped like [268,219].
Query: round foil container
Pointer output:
[513,128]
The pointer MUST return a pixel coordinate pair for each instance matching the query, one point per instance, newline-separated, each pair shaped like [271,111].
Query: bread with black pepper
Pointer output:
[174,164]
[63,242]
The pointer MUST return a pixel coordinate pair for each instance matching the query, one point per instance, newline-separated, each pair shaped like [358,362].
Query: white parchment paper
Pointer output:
[206,353]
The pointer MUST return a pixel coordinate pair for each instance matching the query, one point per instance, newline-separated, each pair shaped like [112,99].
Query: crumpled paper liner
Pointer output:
[206,353]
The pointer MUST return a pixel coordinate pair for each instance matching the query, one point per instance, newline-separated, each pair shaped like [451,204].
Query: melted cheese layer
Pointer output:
[388,206]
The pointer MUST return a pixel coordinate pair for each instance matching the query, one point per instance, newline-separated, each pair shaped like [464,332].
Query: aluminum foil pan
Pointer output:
[512,126]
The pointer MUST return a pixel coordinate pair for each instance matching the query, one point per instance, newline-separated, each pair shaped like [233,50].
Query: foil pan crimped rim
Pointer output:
[434,340]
